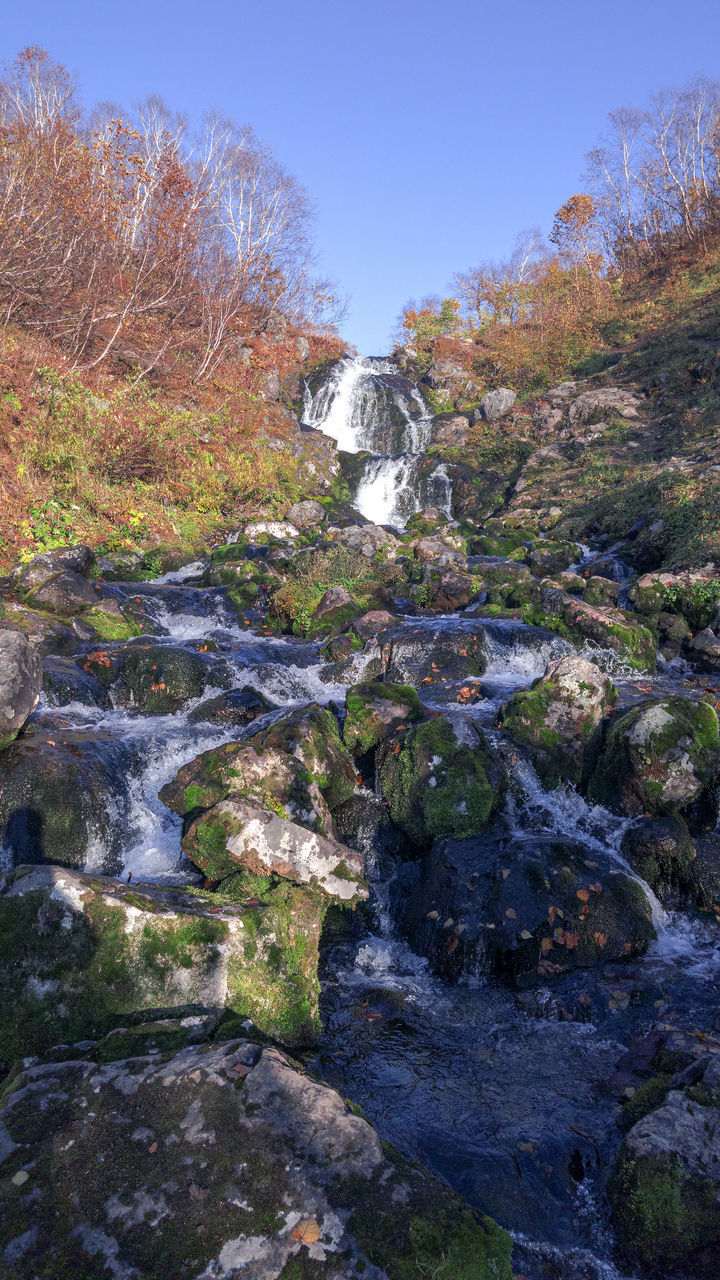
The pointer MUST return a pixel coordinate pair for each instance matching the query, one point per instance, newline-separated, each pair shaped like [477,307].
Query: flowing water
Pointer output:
[493,1089]
[367,406]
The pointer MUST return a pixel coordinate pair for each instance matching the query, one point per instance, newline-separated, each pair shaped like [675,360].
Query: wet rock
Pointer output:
[657,758]
[162,678]
[662,851]
[436,785]
[372,623]
[66,593]
[374,711]
[311,735]
[557,716]
[609,628]
[445,590]
[20,684]
[64,681]
[431,655]
[496,403]
[314,1193]
[363,823]
[307,514]
[236,708]
[236,834]
[46,633]
[707,646]
[29,574]
[523,909]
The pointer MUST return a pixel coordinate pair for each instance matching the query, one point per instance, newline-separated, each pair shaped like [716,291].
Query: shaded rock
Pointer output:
[65,593]
[546,558]
[556,717]
[336,606]
[495,403]
[375,711]
[437,786]
[707,646]
[600,590]
[162,678]
[372,623]
[64,681]
[46,633]
[445,590]
[523,908]
[431,655]
[58,797]
[657,758]
[268,1173]
[20,684]
[662,851]
[237,707]
[236,834]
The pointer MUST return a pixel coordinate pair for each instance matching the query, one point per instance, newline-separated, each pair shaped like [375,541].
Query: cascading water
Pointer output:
[367,406]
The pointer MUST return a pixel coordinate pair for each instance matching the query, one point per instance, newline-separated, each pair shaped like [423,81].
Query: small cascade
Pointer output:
[366,405]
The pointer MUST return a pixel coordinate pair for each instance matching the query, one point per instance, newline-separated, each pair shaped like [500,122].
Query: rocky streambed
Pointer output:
[359,904]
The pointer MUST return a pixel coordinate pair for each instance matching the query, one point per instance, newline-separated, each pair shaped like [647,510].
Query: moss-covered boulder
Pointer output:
[523,908]
[558,715]
[694,596]
[546,557]
[219,1159]
[600,590]
[375,710]
[436,785]
[657,758]
[666,1191]
[312,736]
[20,683]
[607,627]
[79,952]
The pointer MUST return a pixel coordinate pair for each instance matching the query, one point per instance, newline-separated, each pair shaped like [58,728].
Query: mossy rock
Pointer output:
[312,736]
[435,786]
[109,627]
[162,678]
[376,710]
[657,758]
[239,1156]
[79,952]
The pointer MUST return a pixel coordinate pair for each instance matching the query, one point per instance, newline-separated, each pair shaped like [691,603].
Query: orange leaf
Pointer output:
[307,1231]
[583,895]
[600,938]
[511,912]
[546,944]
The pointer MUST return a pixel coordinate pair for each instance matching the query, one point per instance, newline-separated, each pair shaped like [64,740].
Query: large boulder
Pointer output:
[604,403]
[20,683]
[495,403]
[657,758]
[235,708]
[450,430]
[431,654]
[437,552]
[60,791]
[80,950]
[451,380]
[523,908]
[66,593]
[375,711]
[557,716]
[436,785]
[663,852]
[546,558]
[307,514]
[31,573]
[367,540]
[216,1160]
[160,679]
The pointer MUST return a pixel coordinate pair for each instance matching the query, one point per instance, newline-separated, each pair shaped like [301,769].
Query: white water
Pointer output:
[348,407]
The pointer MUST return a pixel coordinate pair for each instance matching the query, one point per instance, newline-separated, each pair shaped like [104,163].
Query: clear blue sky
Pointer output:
[428,131]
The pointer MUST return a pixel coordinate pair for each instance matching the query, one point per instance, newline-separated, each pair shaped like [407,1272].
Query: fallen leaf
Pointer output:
[153,1148]
[511,912]
[505,873]
[526,934]
[307,1231]
[600,938]
[452,944]
[433,915]
[583,895]
[546,944]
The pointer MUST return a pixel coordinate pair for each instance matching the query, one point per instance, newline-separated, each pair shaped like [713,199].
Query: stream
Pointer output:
[493,1089]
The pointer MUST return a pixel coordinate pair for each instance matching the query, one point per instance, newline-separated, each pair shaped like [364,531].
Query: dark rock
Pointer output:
[31,574]
[65,593]
[236,708]
[20,683]
[375,711]
[64,681]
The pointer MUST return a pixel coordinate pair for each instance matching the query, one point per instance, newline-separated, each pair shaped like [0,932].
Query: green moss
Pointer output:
[110,628]
[662,1212]
[364,727]
[437,788]
[647,1097]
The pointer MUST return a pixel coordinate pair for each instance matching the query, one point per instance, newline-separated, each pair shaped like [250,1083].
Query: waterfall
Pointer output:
[366,405]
